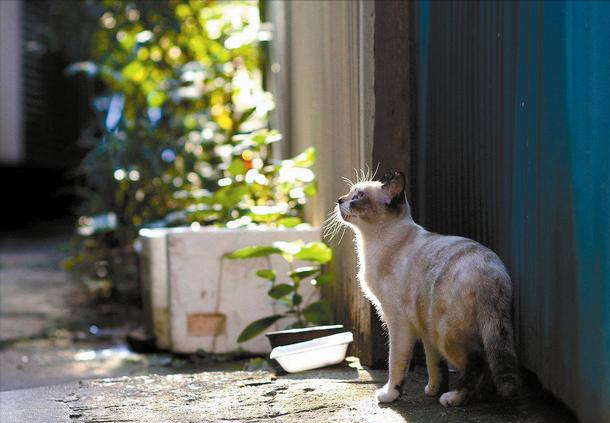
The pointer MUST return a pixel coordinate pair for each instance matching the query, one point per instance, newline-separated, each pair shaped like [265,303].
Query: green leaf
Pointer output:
[156,99]
[315,251]
[266,137]
[273,136]
[257,327]
[134,71]
[289,249]
[318,312]
[323,279]
[296,299]
[280,290]
[310,190]
[183,11]
[306,159]
[289,222]
[287,301]
[237,167]
[253,251]
[245,115]
[231,195]
[303,272]
[268,274]
[292,248]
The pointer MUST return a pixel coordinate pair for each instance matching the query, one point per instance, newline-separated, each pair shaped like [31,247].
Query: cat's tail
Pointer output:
[497,334]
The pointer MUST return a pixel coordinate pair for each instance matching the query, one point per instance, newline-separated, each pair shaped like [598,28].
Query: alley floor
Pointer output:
[64,359]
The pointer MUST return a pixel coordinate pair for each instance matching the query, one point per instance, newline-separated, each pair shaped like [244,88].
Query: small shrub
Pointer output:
[286,288]
[180,134]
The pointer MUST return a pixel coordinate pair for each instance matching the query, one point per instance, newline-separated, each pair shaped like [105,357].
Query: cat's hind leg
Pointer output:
[469,383]
[402,341]
[438,374]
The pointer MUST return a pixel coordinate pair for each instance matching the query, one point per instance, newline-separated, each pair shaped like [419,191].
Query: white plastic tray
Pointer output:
[313,354]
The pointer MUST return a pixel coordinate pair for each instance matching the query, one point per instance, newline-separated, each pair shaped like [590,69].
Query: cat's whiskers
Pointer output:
[329,223]
[363,175]
[358,180]
[376,170]
[348,181]
[367,176]
[333,230]
[332,225]
[342,233]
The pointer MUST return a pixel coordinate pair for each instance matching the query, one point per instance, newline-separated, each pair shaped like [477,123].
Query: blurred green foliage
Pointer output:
[181,130]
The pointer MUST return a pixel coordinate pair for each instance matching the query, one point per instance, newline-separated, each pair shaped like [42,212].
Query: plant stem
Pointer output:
[300,316]
[296,307]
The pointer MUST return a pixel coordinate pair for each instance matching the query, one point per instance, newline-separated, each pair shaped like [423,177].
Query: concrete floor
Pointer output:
[53,369]
[47,320]
[338,394]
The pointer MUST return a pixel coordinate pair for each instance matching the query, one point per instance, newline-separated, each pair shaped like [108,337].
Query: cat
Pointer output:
[450,292]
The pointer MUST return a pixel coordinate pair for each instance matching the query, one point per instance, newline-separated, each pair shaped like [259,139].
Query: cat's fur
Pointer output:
[451,292]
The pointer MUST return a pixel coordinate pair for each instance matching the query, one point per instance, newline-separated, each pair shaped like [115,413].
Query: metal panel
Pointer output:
[513,151]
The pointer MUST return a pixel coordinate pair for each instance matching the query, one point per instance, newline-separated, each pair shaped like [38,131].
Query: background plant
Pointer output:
[180,134]
[286,288]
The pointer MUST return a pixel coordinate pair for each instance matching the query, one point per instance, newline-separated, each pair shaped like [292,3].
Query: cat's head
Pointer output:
[374,202]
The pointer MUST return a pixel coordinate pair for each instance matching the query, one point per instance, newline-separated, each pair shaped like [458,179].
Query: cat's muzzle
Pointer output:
[344,212]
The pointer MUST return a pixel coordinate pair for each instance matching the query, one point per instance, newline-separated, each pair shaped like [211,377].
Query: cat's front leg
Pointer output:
[401,348]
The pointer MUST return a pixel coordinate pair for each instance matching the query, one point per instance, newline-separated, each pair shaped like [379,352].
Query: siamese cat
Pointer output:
[450,292]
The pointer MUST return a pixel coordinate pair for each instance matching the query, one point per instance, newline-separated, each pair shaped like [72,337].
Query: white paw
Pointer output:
[431,389]
[387,394]
[451,399]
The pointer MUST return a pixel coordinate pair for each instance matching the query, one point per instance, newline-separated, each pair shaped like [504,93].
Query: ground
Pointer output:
[64,359]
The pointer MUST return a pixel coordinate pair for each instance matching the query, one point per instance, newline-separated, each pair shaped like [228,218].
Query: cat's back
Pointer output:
[450,265]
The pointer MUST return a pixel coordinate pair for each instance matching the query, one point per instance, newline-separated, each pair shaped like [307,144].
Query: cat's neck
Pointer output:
[385,234]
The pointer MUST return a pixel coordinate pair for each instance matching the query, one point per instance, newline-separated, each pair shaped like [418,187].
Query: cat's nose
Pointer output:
[340,200]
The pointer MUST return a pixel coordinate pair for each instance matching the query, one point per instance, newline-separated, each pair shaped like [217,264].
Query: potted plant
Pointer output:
[304,317]
[200,299]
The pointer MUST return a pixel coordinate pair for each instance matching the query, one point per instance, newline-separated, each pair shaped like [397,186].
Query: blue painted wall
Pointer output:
[513,149]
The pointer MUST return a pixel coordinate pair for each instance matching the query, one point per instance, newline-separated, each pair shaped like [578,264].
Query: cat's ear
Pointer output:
[393,183]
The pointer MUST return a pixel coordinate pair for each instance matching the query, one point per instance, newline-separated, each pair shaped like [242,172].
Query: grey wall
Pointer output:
[11,138]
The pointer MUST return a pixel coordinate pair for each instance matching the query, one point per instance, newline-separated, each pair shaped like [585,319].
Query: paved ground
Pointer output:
[73,375]
[339,394]
[52,333]
[48,327]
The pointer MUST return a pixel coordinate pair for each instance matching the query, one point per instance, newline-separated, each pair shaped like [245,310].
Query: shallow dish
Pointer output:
[293,336]
[320,352]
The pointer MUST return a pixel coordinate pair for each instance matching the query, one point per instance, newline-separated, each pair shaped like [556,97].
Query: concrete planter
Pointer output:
[196,300]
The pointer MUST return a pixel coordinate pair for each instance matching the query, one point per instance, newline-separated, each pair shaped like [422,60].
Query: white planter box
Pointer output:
[195,300]
[155,285]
